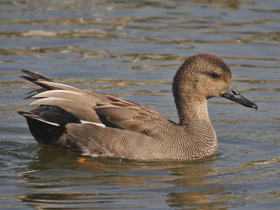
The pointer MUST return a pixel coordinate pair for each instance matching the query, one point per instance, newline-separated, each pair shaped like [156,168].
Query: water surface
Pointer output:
[133,49]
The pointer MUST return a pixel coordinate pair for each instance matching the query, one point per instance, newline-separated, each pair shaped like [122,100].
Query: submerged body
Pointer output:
[98,124]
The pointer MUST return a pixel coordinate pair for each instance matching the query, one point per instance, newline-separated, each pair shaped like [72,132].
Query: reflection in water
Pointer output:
[194,189]
[56,176]
[132,48]
[185,184]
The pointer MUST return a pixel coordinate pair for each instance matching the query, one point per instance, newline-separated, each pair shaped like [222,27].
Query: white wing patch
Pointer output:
[88,122]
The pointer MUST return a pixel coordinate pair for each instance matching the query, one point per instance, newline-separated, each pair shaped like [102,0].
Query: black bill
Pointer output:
[234,95]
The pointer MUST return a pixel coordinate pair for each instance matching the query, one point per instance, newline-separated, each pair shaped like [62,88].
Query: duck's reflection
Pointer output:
[59,176]
[194,190]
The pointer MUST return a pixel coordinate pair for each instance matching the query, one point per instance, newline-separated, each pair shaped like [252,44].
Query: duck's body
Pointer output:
[99,124]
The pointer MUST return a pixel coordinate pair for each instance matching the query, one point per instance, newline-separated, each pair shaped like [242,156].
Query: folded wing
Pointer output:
[98,108]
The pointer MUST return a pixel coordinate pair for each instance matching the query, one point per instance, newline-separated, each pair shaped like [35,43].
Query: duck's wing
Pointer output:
[101,109]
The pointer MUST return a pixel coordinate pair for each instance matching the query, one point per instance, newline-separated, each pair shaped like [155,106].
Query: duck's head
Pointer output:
[204,76]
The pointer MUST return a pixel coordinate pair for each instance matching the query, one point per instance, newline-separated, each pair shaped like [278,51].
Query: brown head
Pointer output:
[204,76]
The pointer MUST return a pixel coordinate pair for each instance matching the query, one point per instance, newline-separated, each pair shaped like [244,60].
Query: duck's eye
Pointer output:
[214,75]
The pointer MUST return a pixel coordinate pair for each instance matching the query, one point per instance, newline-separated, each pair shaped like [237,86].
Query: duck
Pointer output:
[105,125]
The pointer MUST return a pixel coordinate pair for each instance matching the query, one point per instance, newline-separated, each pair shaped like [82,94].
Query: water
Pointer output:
[133,48]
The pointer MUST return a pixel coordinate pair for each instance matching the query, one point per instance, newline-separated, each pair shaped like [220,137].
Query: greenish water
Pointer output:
[133,48]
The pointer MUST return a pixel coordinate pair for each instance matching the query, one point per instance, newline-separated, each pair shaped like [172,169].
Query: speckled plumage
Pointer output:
[126,129]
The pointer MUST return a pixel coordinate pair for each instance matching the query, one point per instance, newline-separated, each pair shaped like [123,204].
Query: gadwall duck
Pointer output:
[104,125]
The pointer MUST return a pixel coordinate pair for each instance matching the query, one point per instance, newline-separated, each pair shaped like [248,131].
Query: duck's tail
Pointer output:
[47,123]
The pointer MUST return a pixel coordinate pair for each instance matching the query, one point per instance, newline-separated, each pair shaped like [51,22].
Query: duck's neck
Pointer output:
[194,118]
[192,109]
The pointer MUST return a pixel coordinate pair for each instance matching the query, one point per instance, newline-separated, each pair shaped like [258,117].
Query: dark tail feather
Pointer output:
[36,79]
[47,123]
[36,117]
[33,76]
[34,92]
[45,83]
